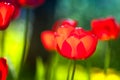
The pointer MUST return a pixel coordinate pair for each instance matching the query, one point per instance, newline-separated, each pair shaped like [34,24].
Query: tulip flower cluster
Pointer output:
[70,41]
[76,43]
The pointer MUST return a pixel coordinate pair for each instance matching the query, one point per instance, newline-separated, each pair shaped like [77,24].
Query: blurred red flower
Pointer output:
[105,29]
[16,5]
[75,43]
[47,39]
[31,3]
[6,13]
[3,69]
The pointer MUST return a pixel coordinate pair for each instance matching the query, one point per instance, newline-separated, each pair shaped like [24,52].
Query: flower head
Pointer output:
[6,13]
[16,12]
[3,69]
[75,43]
[105,29]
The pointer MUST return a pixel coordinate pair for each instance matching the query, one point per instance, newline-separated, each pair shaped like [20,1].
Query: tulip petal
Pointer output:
[66,49]
[81,51]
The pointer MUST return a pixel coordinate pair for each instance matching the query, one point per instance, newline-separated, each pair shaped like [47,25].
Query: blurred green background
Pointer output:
[44,65]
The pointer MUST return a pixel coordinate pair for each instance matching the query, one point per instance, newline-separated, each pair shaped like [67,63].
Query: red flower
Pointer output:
[3,69]
[6,12]
[75,43]
[64,22]
[16,5]
[31,3]
[105,29]
[47,39]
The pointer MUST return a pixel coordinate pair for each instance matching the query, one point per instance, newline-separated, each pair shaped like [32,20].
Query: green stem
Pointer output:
[88,68]
[51,66]
[107,59]
[25,42]
[69,67]
[26,35]
[74,67]
[54,64]
[2,43]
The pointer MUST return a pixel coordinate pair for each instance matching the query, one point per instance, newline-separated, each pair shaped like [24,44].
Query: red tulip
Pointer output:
[16,5]
[6,13]
[75,43]
[31,3]
[47,39]
[105,29]
[3,69]
[64,22]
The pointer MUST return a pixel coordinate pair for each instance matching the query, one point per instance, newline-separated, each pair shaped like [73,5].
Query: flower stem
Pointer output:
[88,68]
[69,67]
[2,43]
[54,64]
[107,59]
[25,42]
[74,67]
[26,35]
